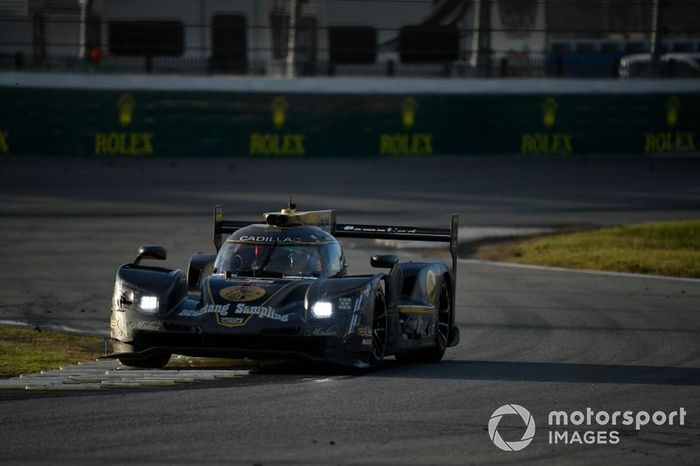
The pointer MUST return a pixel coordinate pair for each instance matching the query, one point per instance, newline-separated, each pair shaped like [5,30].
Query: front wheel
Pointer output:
[442,333]
[379,330]
[155,361]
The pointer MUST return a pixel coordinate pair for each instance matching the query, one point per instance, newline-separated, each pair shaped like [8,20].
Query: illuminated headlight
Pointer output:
[322,309]
[148,304]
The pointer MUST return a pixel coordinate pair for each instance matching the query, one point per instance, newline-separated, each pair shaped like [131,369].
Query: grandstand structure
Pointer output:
[457,38]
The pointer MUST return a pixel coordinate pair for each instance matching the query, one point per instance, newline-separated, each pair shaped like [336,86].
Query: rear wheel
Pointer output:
[379,330]
[442,333]
[155,361]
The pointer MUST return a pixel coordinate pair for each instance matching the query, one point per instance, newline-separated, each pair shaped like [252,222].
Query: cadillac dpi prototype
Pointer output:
[280,290]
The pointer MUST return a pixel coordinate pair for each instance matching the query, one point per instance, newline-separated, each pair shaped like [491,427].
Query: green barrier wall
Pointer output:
[152,123]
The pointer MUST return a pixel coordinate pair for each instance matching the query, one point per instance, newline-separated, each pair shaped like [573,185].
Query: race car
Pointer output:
[280,290]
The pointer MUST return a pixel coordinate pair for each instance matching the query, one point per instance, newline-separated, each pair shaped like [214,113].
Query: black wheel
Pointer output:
[379,330]
[151,362]
[442,333]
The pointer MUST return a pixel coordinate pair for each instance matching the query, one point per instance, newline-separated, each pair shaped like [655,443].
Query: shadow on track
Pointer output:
[545,372]
[306,368]
[493,370]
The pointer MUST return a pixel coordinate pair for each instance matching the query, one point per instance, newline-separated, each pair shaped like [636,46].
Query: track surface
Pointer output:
[546,340]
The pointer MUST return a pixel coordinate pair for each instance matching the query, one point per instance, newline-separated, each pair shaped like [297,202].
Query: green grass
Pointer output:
[24,350]
[669,248]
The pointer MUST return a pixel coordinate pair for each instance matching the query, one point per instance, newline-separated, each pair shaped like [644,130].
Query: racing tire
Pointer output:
[442,334]
[379,330]
[155,361]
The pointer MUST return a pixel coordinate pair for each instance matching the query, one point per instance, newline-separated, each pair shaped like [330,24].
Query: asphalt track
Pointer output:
[547,340]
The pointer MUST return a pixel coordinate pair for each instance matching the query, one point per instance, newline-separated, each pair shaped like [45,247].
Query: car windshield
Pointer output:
[271,260]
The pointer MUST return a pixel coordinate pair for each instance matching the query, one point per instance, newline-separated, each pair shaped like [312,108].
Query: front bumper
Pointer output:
[311,348]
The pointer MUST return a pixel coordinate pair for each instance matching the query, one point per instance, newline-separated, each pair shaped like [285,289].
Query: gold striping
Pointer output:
[417,309]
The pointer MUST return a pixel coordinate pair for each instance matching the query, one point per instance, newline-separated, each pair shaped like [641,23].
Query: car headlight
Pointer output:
[322,309]
[148,304]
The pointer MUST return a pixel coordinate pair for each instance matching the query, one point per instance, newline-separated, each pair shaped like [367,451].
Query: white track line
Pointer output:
[584,271]
[57,328]
[96,375]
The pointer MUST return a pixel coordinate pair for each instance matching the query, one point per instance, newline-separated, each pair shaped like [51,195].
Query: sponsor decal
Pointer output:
[232,321]
[4,145]
[279,111]
[322,332]
[549,112]
[261,311]
[219,309]
[379,229]
[549,142]
[673,105]
[277,143]
[345,304]
[408,112]
[365,331]
[242,293]
[269,239]
[124,143]
[126,104]
[407,142]
[581,427]
[670,141]
[145,325]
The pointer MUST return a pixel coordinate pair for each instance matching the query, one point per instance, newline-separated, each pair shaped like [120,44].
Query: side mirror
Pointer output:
[158,253]
[384,262]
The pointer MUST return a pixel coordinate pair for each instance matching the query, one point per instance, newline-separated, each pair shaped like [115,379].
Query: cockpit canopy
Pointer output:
[268,251]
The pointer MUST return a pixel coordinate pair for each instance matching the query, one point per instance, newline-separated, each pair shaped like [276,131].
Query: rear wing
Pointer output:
[226,227]
[404,233]
[355,230]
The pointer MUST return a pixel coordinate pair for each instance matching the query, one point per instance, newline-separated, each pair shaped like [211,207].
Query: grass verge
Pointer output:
[668,248]
[25,350]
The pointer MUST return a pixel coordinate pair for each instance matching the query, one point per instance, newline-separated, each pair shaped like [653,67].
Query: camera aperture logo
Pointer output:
[584,427]
[529,427]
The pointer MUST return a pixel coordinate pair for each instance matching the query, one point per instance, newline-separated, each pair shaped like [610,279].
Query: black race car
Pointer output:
[280,290]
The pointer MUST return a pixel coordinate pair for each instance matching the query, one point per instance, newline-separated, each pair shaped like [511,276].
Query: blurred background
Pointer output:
[355,78]
[403,38]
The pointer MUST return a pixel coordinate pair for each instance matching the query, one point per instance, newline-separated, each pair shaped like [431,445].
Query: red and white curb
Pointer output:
[105,374]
